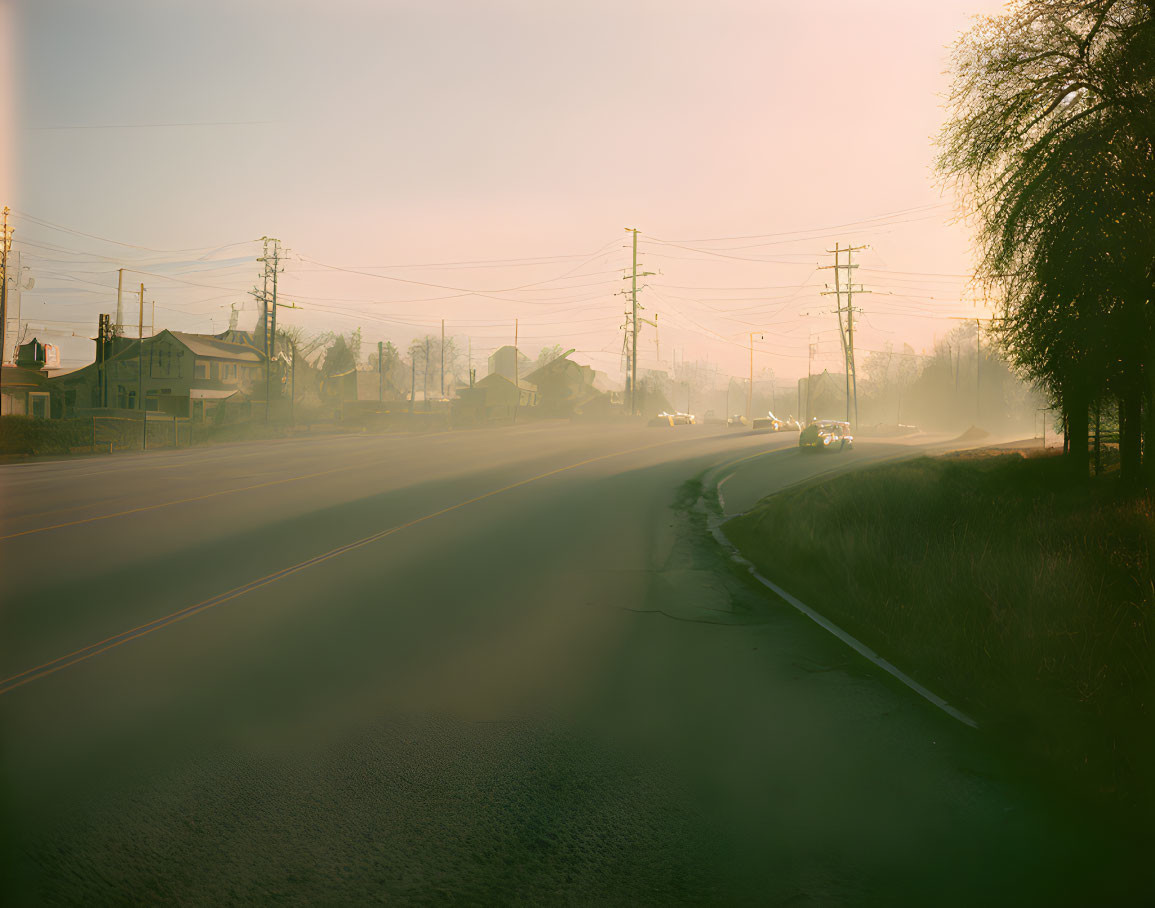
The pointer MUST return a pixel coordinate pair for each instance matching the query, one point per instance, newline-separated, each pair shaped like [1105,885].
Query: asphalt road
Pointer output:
[494,666]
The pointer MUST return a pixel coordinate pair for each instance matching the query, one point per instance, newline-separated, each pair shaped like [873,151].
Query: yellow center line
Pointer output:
[102,646]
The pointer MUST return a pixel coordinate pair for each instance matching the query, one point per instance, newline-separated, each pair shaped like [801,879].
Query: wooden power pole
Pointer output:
[846,333]
[140,375]
[5,245]
[632,366]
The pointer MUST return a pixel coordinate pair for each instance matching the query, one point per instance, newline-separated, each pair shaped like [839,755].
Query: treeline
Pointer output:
[963,381]
[1051,141]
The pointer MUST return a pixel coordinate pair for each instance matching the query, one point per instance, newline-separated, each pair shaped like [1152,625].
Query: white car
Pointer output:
[673,419]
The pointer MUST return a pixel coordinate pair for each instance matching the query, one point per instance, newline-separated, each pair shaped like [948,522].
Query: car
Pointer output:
[673,419]
[736,421]
[826,435]
[790,424]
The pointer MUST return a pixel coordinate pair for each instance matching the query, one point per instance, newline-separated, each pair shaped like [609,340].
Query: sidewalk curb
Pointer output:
[715,520]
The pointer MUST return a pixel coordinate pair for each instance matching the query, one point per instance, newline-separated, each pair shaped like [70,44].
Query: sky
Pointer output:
[478,163]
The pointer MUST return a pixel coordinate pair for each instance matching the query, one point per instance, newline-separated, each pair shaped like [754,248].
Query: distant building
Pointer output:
[566,388]
[501,362]
[24,387]
[502,397]
[187,375]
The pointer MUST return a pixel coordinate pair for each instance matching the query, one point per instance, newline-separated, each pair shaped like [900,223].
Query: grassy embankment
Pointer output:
[1020,598]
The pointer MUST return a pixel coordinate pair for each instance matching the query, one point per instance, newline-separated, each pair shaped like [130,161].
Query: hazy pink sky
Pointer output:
[400,133]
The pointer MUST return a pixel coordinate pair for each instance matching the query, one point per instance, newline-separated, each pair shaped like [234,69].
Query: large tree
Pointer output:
[1051,140]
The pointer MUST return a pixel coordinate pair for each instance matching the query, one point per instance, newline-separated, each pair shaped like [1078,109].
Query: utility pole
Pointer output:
[852,371]
[750,387]
[103,343]
[269,310]
[847,334]
[380,372]
[978,371]
[140,375]
[443,359]
[632,376]
[634,323]
[516,375]
[273,331]
[5,245]
[809,380]
[10,305]
[412,381]
[425,375]
[119,306]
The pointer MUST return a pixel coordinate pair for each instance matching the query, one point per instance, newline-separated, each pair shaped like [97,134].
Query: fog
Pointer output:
[380,521]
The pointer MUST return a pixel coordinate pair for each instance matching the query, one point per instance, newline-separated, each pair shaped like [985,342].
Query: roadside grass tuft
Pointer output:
[1021,598]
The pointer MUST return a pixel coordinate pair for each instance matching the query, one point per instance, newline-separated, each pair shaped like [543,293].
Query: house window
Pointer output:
[202,369]
[38,405]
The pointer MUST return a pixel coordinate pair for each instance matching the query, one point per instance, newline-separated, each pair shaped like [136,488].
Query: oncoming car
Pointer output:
[673,419]
[826,435]
[769,421]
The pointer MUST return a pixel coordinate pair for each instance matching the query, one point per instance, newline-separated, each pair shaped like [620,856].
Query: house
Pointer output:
[614,390]
[24,387]
[187,375]
[566,388]
[502,360]
[501,397]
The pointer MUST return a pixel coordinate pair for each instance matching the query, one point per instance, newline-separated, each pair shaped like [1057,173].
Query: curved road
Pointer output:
[493,666]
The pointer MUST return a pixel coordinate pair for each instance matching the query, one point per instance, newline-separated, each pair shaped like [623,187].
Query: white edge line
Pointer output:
[827,625]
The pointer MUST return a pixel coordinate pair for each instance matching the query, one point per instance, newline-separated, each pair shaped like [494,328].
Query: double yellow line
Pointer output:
[94,649]
[168,504]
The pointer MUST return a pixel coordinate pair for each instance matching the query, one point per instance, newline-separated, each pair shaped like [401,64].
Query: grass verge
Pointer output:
[1022,599]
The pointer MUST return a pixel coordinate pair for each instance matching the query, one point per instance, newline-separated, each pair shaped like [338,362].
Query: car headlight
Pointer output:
[826,439]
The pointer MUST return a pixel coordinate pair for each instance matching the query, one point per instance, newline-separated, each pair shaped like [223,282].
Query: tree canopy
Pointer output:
[1051,142]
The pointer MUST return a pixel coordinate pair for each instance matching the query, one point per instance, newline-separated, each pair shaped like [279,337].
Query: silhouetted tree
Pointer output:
[549,354]
[1052,141]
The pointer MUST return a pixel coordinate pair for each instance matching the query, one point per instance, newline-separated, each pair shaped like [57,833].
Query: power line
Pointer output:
[843,226]
[147,125]
[93,236]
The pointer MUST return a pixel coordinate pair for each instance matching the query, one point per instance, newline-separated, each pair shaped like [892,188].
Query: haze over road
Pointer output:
[535,680]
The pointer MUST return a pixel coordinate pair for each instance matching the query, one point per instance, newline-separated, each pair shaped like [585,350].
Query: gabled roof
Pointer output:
[20,377]
[212,348]
[495,377]
[554,365]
